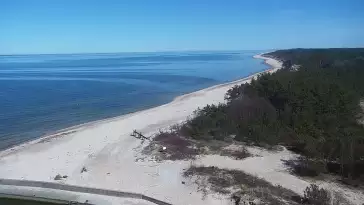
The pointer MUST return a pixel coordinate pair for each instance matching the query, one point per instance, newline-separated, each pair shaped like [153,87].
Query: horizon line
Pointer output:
[174,51]
[167,51]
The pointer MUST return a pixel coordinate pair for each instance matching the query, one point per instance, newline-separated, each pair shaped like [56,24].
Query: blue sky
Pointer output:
[77,26]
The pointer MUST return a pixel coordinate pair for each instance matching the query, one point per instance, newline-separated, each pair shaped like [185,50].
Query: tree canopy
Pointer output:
[312,106]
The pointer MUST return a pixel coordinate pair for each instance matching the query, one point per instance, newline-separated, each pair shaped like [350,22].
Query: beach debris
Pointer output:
[163,149]
[58,177]
[139,135]
[83,169]
[236,199]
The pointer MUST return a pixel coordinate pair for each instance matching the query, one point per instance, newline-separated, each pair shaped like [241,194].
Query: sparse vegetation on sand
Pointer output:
[313,109]
[179,147]
[248,189]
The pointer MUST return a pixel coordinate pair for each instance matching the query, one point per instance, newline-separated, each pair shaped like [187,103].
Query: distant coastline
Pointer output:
[53,93]
[273,64]
[106,145]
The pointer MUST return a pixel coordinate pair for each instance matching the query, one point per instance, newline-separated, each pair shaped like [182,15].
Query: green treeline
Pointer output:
[311,106]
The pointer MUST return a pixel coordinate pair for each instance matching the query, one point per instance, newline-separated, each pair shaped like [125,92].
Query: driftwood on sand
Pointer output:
[139,135]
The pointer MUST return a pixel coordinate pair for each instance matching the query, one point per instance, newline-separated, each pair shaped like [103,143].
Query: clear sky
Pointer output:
[77,26]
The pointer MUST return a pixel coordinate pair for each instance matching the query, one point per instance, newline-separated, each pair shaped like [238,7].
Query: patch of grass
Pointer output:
[317,196]
[305,167]
[177,147]
[58,177]
[249,187]
[236,154]
[171,139]
[339,199]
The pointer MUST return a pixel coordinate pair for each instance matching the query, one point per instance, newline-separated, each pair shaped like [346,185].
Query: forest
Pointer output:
[311,106]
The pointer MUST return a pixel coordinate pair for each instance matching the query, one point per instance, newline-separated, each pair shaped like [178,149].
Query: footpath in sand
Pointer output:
[109,154]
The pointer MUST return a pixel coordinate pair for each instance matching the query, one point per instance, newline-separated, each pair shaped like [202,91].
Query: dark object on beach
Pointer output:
[58,177]
[183,182]
[64,176]
[163,149]
[83,169]
[139,135]
[236,199]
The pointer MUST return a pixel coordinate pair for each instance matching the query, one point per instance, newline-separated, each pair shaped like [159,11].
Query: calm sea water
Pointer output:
[40,94]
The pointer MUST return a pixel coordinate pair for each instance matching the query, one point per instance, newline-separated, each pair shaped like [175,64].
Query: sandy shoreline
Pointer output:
[114,161]
[107,150]
[111,156]
[274,65]
[68,150]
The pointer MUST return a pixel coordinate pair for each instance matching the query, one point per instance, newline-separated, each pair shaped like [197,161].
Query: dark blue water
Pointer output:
[40,94]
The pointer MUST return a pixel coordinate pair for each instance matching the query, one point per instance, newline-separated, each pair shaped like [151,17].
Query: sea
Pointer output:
[40,94]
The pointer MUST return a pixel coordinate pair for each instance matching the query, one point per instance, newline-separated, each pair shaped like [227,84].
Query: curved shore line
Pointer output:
[273,63]
[111,157]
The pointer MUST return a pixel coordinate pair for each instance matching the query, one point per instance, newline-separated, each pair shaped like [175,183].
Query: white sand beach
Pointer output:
[110,155]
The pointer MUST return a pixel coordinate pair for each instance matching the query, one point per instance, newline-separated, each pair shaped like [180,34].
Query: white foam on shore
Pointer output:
[109,153]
